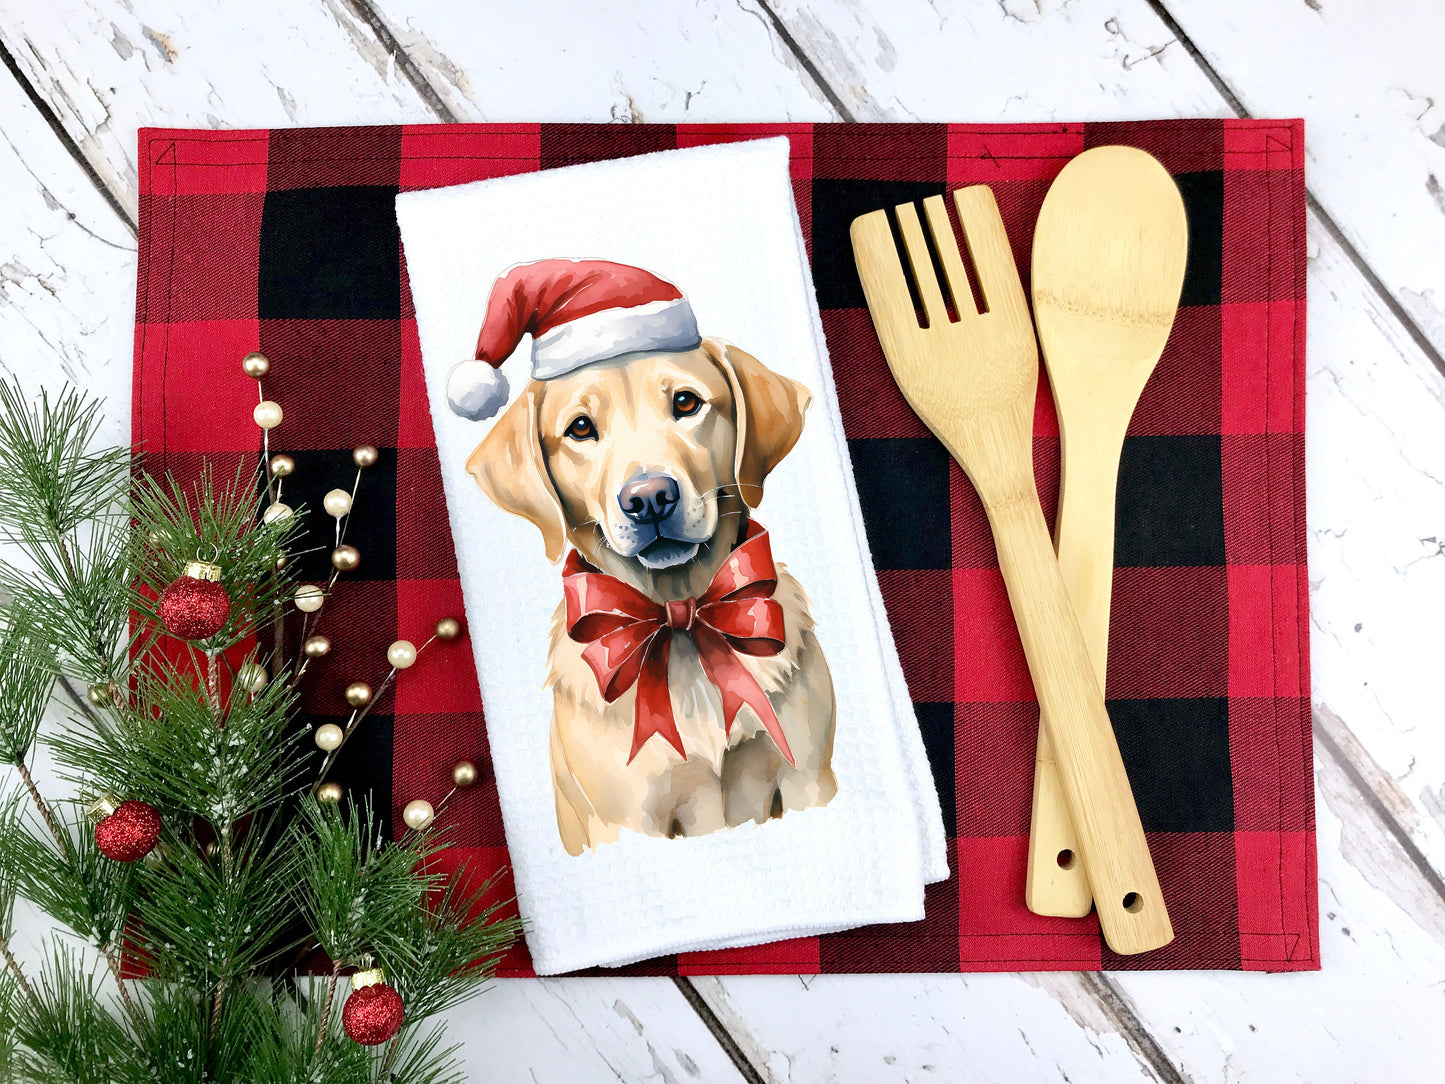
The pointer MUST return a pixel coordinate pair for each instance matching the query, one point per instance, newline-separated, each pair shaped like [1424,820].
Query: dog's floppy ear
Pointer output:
[508,465]
[769,408]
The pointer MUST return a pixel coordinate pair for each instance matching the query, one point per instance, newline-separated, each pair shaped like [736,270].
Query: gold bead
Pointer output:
[358,694]
[316,646]
[282,465]
[213,848]
[337,503]
[401,654]
[276,512]
[345,558]
[280,561]
[329,793]
[99,695]
[255,364]
[365,456]
[251,677]
[309,598]
[267,414]
[464,773]
[328,736]
[448,628]
[418,814]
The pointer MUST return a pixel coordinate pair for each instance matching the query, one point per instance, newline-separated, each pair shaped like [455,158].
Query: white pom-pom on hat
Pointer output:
[476,390]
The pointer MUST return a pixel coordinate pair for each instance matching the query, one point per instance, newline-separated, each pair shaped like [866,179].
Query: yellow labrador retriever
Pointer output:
[648,466]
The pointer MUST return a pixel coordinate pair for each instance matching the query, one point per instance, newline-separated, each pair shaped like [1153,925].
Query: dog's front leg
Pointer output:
[699,804]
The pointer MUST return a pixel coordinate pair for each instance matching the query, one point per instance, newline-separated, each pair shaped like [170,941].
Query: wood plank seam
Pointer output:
[1116,1004]
[1388,820]
[1323,217]
[367,13]
[725,1039]
[785,35]
[61,134]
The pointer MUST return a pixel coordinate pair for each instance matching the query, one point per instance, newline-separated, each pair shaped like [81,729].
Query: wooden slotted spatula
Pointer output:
[1108,265]
[973,383]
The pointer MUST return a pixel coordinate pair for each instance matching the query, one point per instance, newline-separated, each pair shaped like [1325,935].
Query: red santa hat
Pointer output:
[577,312]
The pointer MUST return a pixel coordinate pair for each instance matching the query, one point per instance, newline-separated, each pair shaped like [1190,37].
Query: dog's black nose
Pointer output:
[648,498]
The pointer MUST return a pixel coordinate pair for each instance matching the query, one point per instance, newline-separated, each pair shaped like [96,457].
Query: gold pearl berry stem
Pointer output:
[419,813]
[401,651]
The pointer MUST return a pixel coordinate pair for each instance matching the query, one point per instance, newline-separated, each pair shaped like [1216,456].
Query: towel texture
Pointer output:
[718,222]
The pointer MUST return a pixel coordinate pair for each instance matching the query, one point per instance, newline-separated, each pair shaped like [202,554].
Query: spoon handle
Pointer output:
[1094,783]
[1057,881]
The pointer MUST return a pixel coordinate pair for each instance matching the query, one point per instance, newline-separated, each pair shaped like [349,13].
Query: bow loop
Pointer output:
[753,626]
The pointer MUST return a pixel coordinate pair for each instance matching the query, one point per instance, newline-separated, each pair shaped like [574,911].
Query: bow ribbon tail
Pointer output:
[652,712]
[738,687]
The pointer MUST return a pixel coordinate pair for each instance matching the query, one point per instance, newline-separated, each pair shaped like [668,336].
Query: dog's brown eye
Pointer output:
[685,404]
[582,428]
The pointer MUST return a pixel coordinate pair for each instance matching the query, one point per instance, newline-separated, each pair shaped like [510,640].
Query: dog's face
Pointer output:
[642,449]
[647,457]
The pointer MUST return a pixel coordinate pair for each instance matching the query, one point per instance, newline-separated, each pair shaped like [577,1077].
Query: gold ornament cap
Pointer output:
[103,806]
[372,976]
[203,570]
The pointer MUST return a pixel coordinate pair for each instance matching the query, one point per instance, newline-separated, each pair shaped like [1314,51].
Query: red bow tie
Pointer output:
[628,637]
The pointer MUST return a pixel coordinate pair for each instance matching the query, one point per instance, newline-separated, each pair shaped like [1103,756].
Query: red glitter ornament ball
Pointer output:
[195,606]
[130,833]
[373,1012]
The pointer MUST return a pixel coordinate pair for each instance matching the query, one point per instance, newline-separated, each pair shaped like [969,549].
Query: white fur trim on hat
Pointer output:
[610,333]
[476,390]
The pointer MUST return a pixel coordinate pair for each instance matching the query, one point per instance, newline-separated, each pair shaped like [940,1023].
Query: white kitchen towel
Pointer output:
[719,222]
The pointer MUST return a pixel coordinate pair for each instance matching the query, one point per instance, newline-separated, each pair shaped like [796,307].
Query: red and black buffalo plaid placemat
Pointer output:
[287,241]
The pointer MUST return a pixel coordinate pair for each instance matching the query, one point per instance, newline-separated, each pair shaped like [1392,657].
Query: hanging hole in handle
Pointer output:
[1066,859]
[1133,902]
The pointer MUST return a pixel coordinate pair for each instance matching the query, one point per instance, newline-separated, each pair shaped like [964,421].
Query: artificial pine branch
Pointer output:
[250,866]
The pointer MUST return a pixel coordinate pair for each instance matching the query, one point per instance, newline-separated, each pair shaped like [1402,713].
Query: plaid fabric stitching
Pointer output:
[1242,894]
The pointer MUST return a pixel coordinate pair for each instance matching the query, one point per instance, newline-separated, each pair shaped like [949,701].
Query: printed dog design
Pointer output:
[689,690]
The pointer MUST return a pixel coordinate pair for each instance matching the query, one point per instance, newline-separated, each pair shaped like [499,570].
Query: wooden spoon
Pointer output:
[1108,265]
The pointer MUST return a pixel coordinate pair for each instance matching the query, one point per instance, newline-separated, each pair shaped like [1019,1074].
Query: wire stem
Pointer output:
[14,966]
[114,961]
[41,806]
[326,1008]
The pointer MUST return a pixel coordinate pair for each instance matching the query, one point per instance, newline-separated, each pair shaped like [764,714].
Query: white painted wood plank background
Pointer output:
[1366,76]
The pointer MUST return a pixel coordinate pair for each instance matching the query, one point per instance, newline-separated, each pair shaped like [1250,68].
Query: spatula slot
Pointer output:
[955,265]
[907,266]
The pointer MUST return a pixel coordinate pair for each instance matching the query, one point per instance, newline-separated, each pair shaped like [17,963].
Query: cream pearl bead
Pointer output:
[328,736]
[268,414]
[418,814]
[251,677]
[309,598]
[337,503]
[401,654]
[276,512]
